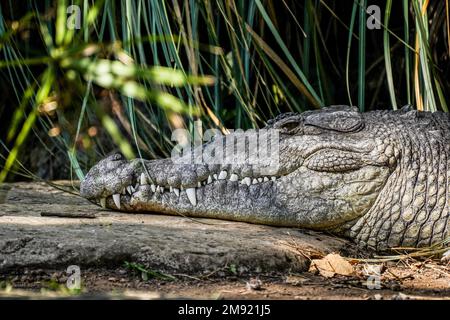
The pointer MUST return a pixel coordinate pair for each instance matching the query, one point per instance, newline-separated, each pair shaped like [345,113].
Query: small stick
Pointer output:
[85,215]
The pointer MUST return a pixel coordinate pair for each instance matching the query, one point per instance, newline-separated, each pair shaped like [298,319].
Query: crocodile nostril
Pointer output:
[117,156]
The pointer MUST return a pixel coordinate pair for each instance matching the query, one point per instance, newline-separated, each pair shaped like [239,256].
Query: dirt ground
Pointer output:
[398,280]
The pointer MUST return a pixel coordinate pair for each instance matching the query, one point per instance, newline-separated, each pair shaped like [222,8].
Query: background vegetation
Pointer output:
[137,69]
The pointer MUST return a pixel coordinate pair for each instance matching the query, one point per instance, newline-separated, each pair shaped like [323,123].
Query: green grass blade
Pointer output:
[387,55]
[407,51]
[307,26]
[425,56]
[349,46]
[362,55]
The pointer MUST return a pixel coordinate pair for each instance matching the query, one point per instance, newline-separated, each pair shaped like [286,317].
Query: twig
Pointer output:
[187,276]
[85,215]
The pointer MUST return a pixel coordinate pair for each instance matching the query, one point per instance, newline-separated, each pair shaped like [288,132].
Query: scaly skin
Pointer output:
[380,178]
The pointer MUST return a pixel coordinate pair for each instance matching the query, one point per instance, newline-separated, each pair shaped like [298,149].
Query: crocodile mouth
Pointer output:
[142,190]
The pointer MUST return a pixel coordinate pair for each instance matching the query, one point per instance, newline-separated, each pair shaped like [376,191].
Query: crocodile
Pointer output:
[380,178]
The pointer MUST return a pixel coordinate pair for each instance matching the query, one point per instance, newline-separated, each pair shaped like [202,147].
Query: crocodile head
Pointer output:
[330,171]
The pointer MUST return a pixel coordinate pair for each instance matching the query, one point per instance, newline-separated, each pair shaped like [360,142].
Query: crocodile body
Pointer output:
[380,178]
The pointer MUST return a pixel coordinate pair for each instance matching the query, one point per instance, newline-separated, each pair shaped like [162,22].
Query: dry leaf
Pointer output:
[331,265]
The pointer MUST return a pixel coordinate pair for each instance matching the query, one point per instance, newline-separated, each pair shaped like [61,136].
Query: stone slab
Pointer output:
[160,242]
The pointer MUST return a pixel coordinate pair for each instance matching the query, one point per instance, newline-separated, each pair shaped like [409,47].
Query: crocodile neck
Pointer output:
[412,210]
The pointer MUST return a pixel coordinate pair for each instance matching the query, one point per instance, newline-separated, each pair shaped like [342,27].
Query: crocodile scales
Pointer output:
[380,178]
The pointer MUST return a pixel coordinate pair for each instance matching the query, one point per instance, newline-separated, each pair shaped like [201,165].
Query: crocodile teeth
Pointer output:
[103,202]
[124,191]
[116,198]
[176,191]
[260,179]
[191,196]
[199,184]
[266,179]
[234,177]
[273,178]
[246,181]
[153,188]
[143,179]
[254,181]
[170,188]
[158,189]
[210,180]
[222,175]
[215,176]
[129,189]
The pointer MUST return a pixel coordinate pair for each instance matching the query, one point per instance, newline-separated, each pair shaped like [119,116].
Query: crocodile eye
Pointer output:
[289,126]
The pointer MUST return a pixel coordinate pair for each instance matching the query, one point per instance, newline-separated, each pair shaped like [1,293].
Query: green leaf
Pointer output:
[47,79]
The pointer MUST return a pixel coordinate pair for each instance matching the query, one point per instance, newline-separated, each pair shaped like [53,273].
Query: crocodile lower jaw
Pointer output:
[191,192]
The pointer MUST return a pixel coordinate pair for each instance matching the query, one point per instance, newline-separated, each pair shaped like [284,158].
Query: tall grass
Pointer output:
[136,70]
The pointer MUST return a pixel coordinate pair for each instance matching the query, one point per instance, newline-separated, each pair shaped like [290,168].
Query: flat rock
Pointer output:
[35,233]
